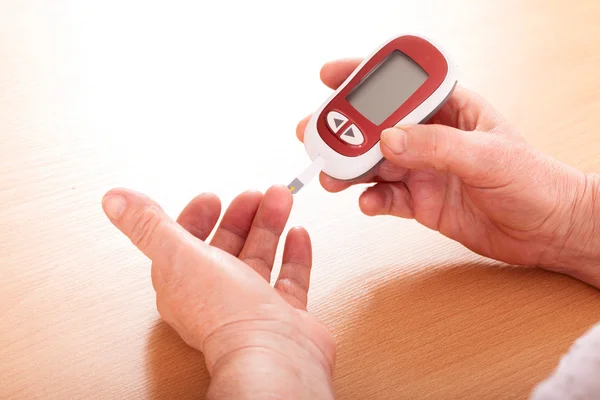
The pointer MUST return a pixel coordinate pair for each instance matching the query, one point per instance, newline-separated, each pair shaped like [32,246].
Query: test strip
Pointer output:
[307,175]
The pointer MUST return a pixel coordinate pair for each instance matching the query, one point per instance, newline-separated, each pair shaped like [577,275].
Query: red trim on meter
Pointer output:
[420,51]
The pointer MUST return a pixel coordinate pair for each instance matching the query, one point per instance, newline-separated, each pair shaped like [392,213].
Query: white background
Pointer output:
[216,88]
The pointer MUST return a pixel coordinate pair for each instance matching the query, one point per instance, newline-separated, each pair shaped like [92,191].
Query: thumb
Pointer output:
[469,155]
[146,225]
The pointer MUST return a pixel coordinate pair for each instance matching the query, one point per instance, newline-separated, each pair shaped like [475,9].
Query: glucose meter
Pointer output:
[405,81]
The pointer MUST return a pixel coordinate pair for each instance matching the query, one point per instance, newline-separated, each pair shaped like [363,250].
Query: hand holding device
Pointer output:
[404,81]
[468,174]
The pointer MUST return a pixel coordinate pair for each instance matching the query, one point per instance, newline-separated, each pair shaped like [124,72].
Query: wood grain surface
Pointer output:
[177,98]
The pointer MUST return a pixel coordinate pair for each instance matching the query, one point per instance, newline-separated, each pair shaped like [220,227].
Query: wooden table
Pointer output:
[120,93]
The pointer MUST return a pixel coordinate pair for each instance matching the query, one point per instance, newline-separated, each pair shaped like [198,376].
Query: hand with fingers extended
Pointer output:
[258,340]
[469,175]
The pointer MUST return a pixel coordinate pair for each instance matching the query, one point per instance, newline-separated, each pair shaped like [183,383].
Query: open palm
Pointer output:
[217,296]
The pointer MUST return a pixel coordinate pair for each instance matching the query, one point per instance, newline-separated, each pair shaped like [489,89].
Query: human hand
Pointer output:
[469,175]
[258,340]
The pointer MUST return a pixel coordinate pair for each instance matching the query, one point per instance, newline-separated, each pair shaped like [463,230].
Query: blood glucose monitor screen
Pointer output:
[387,87]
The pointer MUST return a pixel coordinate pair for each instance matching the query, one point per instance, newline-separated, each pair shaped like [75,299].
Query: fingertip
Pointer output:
[298,228]
[371,202]
[325,181]
[237,220]
[334,73]
[325,72]
[299,234]
[276,206]
[116,201]
[246,202]
[120,191]
[394,140]
[204,203]
[282,192]
[114,191]
[251,194]
[298,245]
[388,154]
[201,214]
[207,198]
[332,185]
[114,206]
[301,127]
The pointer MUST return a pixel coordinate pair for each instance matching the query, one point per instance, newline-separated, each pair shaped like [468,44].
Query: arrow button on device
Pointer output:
[353,136]
[335,121]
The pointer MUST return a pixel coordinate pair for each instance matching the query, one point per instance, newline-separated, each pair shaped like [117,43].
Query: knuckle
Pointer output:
[286,285]
[291,285]
[260,264]
[429,143]
[436,148]
[146,223]
[389,199]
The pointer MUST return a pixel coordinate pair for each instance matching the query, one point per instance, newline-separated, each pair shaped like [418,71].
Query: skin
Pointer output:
[467,174]
[217,295]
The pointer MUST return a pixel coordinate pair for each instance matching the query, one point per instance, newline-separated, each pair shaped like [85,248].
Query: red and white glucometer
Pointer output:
[405,81]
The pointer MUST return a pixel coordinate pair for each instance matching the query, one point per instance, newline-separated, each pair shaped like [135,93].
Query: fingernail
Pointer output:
[394,139]
[114,205]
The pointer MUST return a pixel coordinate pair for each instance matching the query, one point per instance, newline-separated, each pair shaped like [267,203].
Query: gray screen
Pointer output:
[387,87]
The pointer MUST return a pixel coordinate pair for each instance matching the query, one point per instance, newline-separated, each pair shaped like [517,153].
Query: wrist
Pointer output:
[264,374]
[266,360]
[577,251]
